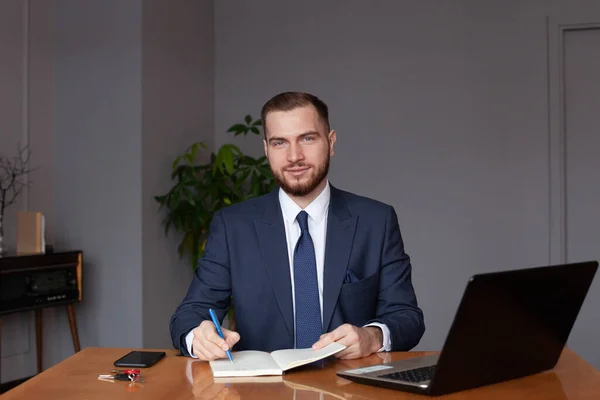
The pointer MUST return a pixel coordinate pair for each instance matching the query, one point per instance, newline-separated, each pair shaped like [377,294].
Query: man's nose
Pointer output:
[295,153]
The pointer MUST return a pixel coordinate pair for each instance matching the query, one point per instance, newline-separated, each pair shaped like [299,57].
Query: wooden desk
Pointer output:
[178,377]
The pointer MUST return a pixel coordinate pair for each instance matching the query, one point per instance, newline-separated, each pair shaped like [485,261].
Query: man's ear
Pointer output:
[265,148]
[332,138]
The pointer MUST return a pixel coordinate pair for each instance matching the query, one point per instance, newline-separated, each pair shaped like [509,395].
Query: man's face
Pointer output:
[298,147]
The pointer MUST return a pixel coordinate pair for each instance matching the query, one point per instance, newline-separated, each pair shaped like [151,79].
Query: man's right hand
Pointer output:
[208,345]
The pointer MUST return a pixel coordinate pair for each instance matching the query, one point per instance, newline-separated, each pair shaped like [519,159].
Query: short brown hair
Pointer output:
[288,101]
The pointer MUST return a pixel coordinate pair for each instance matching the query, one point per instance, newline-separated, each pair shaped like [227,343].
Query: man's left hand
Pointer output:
[359,342]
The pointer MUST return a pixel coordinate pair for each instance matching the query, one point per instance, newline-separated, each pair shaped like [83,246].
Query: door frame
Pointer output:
[556,29]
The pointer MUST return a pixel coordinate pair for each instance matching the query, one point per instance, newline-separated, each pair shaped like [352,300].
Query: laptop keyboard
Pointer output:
[412,375]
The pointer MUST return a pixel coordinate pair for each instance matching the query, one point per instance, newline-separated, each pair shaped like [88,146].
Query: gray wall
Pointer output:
[16,332]
[441,109]
[99,161]
[11,76]
[107,96]
[178,81]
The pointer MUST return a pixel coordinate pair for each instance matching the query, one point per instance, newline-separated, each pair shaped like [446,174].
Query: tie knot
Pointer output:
[302,218]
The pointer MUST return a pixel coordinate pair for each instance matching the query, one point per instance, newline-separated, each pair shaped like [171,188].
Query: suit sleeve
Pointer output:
[210,287]
[397,306]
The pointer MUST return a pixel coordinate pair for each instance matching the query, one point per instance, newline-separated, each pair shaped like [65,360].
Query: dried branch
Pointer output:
[12,177]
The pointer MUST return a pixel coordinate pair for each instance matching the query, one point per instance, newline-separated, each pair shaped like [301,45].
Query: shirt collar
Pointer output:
[317,209]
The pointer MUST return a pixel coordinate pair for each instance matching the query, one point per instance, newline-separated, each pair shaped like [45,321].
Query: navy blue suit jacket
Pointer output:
[367,274]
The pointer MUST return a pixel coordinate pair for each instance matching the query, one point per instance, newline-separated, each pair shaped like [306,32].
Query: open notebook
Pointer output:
[257,363]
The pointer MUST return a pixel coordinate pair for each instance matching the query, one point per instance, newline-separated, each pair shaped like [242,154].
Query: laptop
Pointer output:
[508,325]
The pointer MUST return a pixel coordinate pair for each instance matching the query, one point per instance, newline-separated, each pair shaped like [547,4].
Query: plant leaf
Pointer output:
[175,163]
[228,160]
[235,149]
[194,151]
[237,128]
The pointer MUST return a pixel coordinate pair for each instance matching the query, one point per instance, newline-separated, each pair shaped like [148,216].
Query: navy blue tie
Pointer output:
[306,289]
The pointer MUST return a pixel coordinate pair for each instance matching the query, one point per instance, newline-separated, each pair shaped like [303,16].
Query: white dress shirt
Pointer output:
[317,212]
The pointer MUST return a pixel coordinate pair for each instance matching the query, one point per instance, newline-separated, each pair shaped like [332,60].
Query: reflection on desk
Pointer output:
[176,377]
[308,385]
[291,385]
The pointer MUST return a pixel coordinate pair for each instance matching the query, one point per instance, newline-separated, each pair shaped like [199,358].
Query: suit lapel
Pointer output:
[341,226]
[273,246]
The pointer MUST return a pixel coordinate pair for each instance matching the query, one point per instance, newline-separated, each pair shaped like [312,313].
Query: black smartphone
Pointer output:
[140,359]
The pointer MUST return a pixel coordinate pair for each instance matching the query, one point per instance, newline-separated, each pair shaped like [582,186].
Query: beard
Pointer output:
[293,186]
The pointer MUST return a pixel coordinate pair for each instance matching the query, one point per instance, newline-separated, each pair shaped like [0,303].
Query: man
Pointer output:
[305,265]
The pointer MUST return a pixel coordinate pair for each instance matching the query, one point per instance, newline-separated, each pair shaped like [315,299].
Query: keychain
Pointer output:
[126,371]
[122,377]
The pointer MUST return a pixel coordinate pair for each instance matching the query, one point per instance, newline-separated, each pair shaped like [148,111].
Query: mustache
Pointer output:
[296,165]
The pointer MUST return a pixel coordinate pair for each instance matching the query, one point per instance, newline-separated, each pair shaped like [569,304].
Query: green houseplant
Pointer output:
[200,190]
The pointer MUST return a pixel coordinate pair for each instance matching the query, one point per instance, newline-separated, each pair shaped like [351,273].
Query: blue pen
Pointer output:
[219,331]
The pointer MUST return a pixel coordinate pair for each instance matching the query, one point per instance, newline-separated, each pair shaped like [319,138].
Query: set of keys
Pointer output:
[128,375]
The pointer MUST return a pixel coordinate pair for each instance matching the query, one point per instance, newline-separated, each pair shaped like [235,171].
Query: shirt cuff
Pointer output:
[189,338]
[387,342]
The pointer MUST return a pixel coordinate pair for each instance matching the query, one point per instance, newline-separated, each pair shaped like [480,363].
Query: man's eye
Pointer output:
[308,138]
[277,143]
